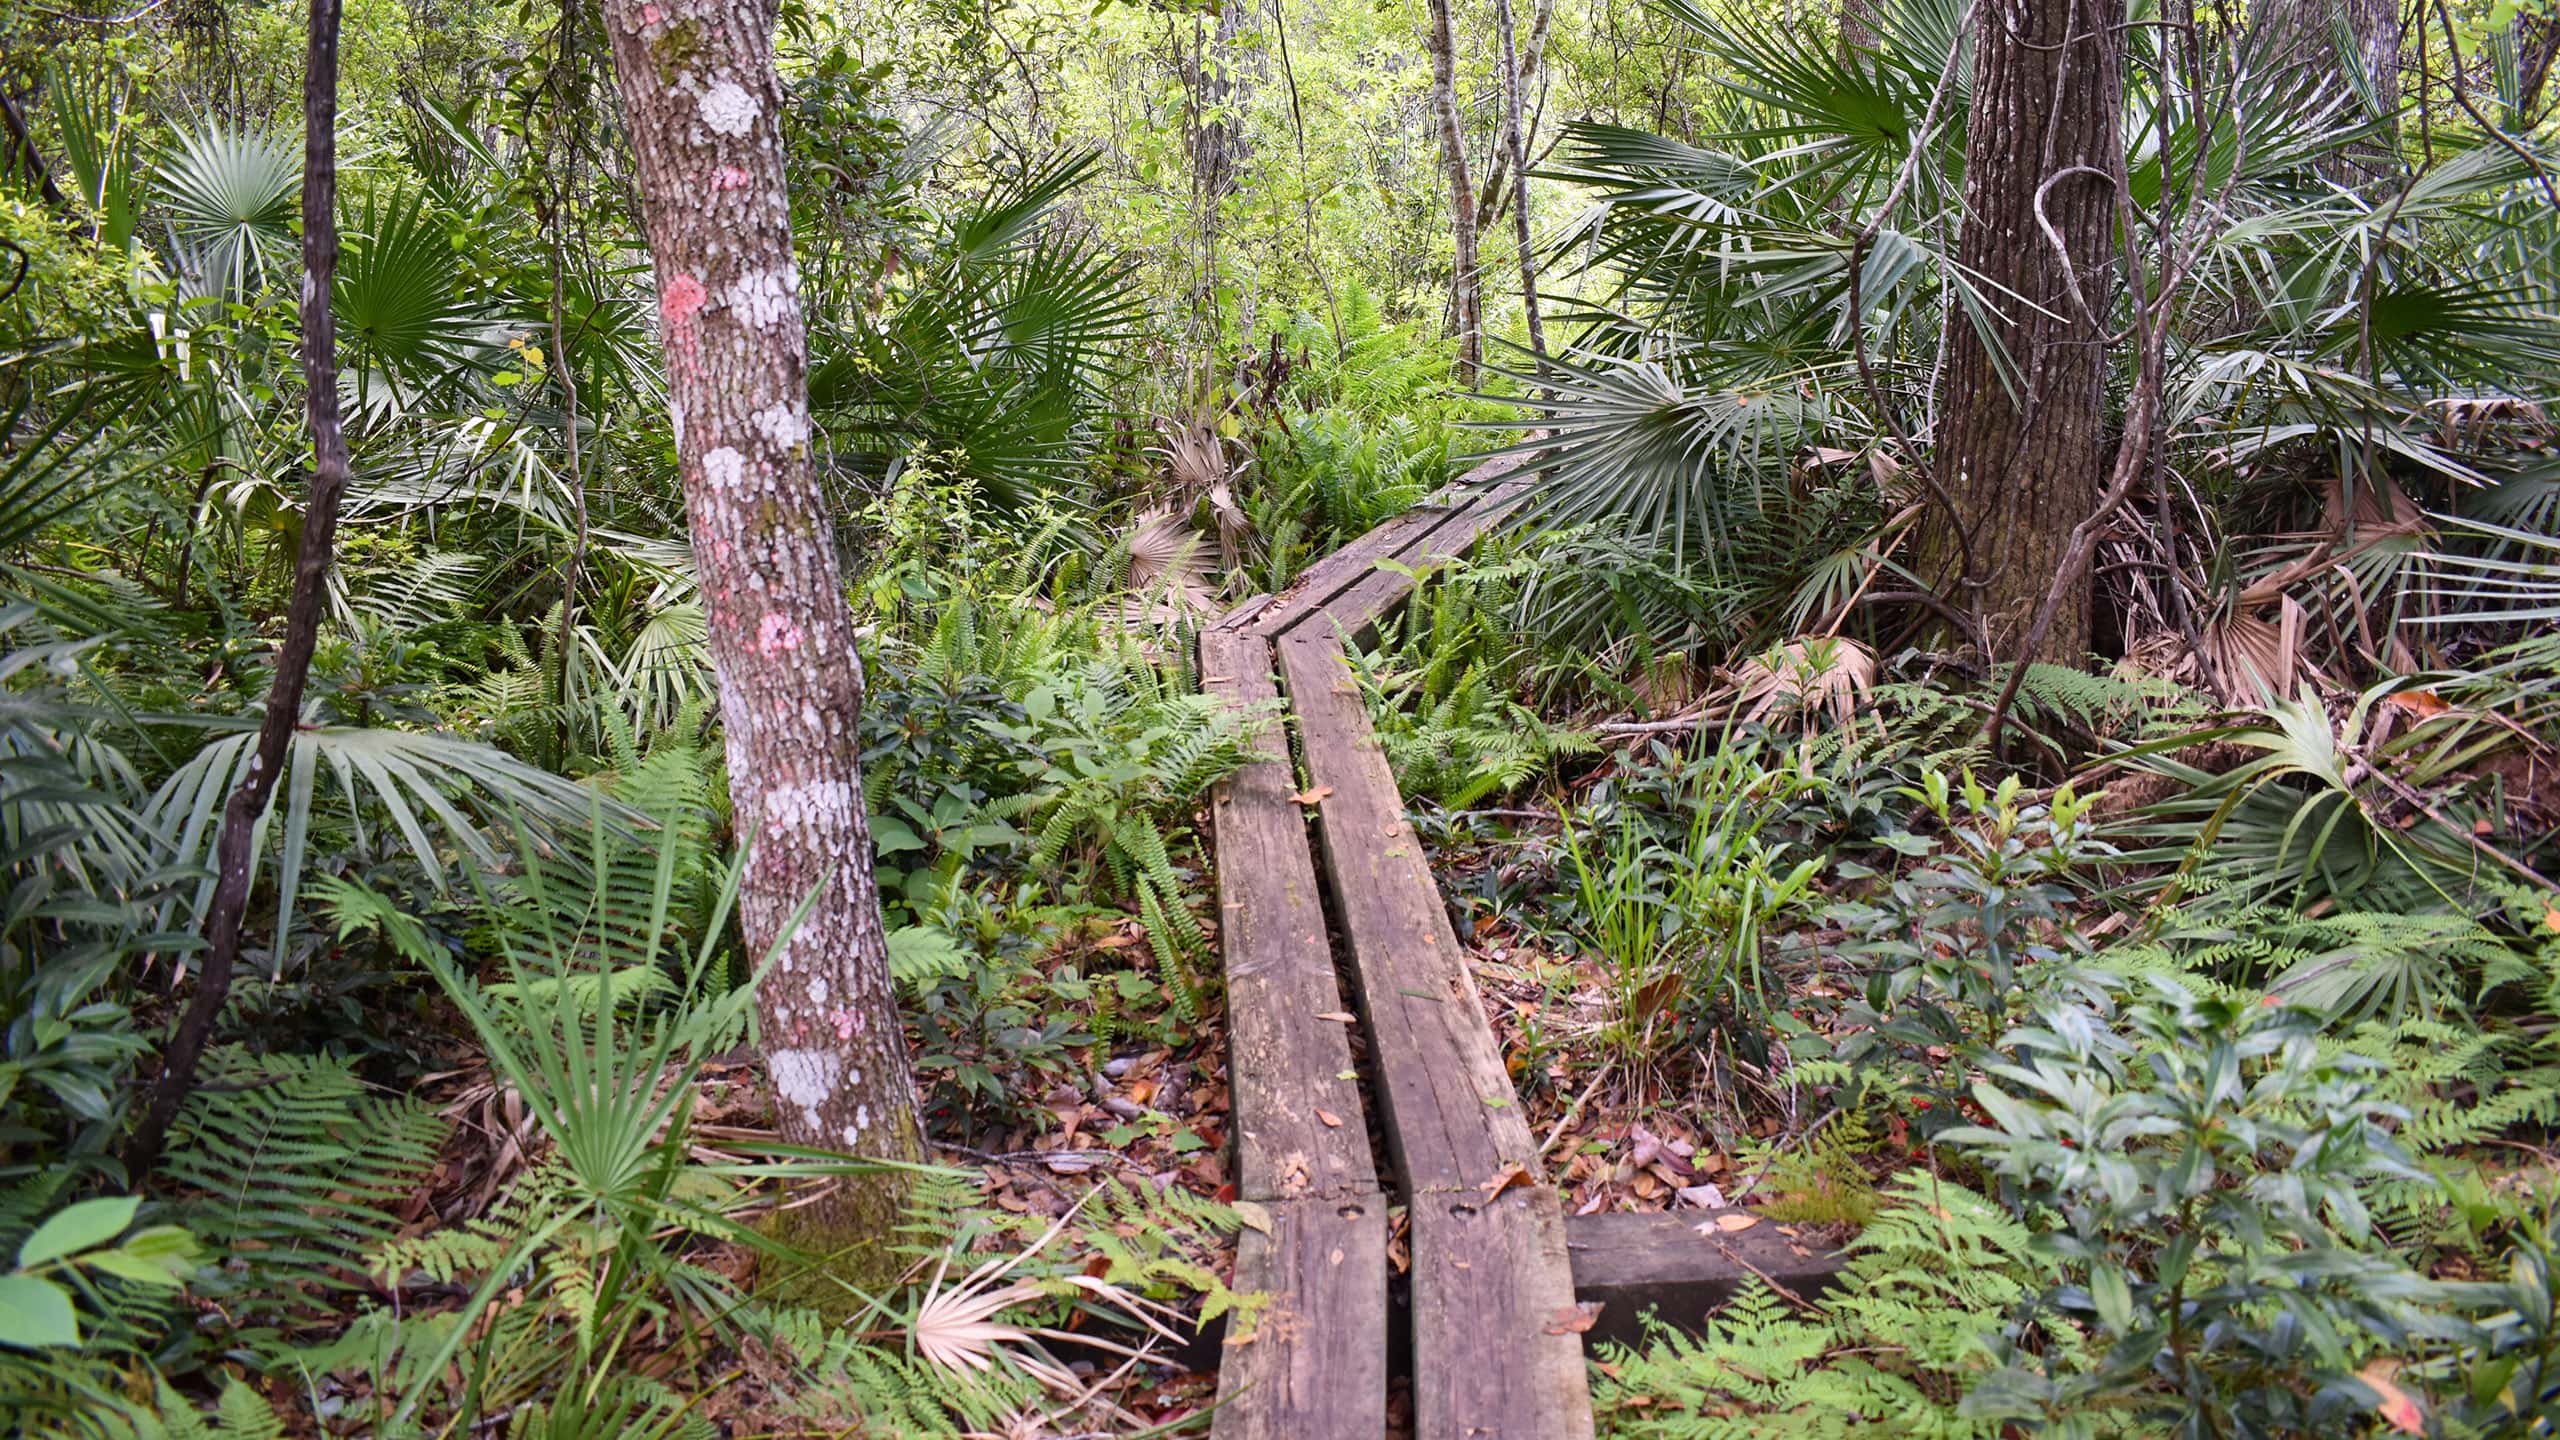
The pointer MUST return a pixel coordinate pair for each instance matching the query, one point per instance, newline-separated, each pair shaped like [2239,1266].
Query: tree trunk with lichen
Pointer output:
[701,102]
[2022,448]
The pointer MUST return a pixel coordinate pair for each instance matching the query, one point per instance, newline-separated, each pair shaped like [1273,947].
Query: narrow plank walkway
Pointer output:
[1489,1279]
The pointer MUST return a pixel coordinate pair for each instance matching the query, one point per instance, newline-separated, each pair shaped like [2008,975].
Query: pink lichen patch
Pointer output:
[680,300]
[777,633]
[730,177]
[651,14]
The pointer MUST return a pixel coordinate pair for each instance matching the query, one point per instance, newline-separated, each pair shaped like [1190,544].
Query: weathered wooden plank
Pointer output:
[1296,1117]
[1408,538]
[1320,582]
[1683,1265]
[1356,608]
[1452,1120]
[1496,1351]
[1313,1365]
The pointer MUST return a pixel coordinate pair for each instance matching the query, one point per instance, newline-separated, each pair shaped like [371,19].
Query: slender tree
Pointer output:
[1466,293]
[2021,442]
[701,103]
[234,852]
[1515,145]
[1492,198]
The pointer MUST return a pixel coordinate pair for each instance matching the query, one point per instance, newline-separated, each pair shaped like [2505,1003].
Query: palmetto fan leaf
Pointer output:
[1840,117]
[50,465]
[398,297]
[1632,443]
[996,354]
[435,793]
[2500,575]
[2448,332]
[230,194]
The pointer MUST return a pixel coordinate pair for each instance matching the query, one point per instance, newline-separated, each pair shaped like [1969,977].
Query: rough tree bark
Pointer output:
[233,856]
[701,103]
[2306,41]
[2536,39]
[2022,453]
[1466,295]
[1515,146]
[1857,27]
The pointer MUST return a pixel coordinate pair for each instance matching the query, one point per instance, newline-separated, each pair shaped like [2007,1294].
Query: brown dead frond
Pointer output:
[1806,679]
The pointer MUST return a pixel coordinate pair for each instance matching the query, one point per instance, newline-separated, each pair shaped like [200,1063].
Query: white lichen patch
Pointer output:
[728,109]
[822,805]
[806,1078]
[778,633]
[783,425]
[724,468]
[762,299]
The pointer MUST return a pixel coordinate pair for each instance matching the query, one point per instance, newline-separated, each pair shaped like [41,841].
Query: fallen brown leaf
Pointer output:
[1574,1319]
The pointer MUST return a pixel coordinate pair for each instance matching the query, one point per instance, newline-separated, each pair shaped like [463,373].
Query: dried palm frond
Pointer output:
[1195,458]
[1806,678]
[2254,661]
[957,1329]
[1169,577]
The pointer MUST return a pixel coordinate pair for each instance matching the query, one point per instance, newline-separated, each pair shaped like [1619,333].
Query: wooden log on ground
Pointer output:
[1297,1118]
[1452,1120]
[1682,1265]
[1313,1364]
[1496,1345]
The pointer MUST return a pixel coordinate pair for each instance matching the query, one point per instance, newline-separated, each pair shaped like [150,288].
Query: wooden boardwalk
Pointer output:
[1366,1079]
[1489,1279]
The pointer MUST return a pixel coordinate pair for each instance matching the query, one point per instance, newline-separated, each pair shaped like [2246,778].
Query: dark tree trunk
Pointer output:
[2022,450]
[2375,26]
[701,103]
[1466,296]
[2537,42]
[233,856]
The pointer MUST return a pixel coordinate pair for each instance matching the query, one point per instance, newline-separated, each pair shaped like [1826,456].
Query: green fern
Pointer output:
[294,1159]
[1128,752]
[240,1413]
[1930,1285]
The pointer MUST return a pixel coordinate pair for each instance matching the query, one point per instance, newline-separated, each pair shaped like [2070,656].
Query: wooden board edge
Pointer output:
[1312,1365]
[1496,1350]
[1683,1265]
